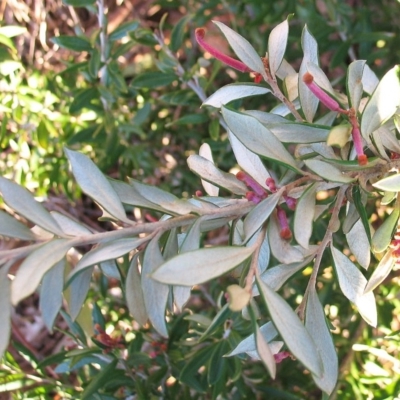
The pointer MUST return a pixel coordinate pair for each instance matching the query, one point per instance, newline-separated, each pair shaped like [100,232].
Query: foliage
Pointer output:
[314,198]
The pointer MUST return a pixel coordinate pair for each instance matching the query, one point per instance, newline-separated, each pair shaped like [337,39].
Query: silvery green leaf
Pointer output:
[317,327]
[210,173]
[277,42]
[155,293]
[110,270]
[320,78]
[264,352]
[352,283]
[95,184]
[243,49]
[377,142]
[299,133]
[234,91]
[264,254]
[352,217]
[308,150]
[327,119]
[389,184]
[281,248]
[11,227]
[51,299]
[283,110]
[22,201]
[382,104]
[199,266]
[5,305]
[78,291]
[309,102]
[354,83]
[259,214]
[205,151]
[107,251]
[69,226]
[275,347]
[34,266]
[384,234]
[285,70]
[327,171]
[304,216]
[292,331]
[381,271]
[388,139]
[275,277]
[134,293]
[171,247]
[358,242]
[267,118]
[257,138]
[388,197]
[369,80]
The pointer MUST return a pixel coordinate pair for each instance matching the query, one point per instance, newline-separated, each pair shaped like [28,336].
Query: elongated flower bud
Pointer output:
[357,139]
[285,232]
[231,62]
[323,97]
[251,184]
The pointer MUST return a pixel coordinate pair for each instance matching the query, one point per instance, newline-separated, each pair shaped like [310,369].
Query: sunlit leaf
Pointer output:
[381,271]
[277,42]
[327,171]
[74,43]
[205,151]
[359,244]
[389,184]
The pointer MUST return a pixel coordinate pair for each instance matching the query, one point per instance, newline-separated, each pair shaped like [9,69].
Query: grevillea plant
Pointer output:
[303,186]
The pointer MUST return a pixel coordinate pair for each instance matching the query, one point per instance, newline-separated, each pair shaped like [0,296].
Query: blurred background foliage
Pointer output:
[123,82]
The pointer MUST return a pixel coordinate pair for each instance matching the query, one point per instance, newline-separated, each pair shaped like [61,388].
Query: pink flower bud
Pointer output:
[231,62]
[271,184]
[357,139]
[251,196]
[291,202]
[279,357]
[251,184]
[285,232]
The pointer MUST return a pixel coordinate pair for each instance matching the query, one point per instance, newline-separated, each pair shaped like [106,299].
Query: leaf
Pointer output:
[327,171]
[360,199]
[199,266]
[95,184]
[259,214]
[205,151]
[339,135]
[257,138]
[34,266]
[352,283]
[12,30]
[304,216]
[83,100]
[22,201]
[382,104]
[243,49]
[381,272]
[277,42]
[74,43]
[389,184]
[359,244]
[248,161]
[317,327]
[134,294]
[320,78]
[70,226]
[107,251]
[178,32]
[155,293]
[369,80]
[234,91]
[384,234]
[123,30]
[153,80]
[292,331]
[354,83]
[210,173]
[51,299]
[11,227]
[5,306]
[308,101]
[78,290]
[298,133]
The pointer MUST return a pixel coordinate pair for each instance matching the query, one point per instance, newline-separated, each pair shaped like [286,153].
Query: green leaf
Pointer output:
[74,43]
[354,83]
[189,119]
[22,201]
[389,184]
[359,244]
[134,294]
[292,331]
[217,363]
[381,271]
[11,227]
[304,216]
[223,314]
[352,283]
[123,30]
[79,3]
[12,30]
[359,203]
[155,293]
[384,234]
[95,184]
[299,133]
[153,80]
[308,101]
[199,266]
[83,100]
[70,226]
[178,32]
[234,91]
[328,171]
[34,266]
[51,299]
[277,42]
[43,134]
[317,327]
[257,138]
[243,49]
[210,173]
[79,289]
[5,306]
[382,104]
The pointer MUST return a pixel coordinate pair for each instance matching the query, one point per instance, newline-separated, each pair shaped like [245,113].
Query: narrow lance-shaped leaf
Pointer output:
[199,266]
[354,83]
[327,171]
[383,235]
[304,215]
[22,201]
[11,227]
[205,151]
[95,184]
[359,244]
[317,327]
[78,290]
[5,306]
[33,268]
[277,42]
[381,272]
[292,331]
[389,184]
